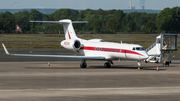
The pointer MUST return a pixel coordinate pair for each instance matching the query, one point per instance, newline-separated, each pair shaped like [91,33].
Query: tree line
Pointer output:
[99,21]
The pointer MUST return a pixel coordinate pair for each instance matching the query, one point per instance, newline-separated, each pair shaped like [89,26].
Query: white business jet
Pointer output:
[93,49]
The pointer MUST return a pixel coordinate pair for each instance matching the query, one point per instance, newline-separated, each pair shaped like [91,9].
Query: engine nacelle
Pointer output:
[71,44]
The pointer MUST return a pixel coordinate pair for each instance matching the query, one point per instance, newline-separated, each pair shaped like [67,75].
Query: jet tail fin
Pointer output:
[68,27]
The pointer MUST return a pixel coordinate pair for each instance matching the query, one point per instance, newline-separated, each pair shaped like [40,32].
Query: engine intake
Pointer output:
[77,44]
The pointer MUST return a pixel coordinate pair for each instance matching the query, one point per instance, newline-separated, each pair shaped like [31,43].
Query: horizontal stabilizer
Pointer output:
[61,21]
[46,21]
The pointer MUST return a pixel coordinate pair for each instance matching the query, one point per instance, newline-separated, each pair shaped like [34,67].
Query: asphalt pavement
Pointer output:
[66,81]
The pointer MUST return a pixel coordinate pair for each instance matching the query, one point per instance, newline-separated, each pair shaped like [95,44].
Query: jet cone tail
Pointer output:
[68,27]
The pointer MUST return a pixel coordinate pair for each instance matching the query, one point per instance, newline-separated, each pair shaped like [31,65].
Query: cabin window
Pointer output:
[111,50]
[99,49]
[96,48]
[108,49]
[120,50]
[116,50]
[104,49]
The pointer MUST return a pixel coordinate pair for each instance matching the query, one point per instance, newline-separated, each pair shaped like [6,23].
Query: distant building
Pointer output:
[142,7]
[142,4]
[133,8]
[20,28]
[130,5]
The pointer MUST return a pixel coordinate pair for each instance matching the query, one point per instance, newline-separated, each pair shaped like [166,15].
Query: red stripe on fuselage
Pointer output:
[110,50]
[88,48]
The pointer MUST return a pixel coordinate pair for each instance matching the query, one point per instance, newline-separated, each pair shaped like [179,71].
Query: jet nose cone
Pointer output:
[145,56]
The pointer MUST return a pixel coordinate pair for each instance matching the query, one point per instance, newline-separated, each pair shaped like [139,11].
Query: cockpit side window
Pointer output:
[138,48]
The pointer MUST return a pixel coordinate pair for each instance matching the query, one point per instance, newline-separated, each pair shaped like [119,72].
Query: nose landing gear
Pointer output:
[139,65]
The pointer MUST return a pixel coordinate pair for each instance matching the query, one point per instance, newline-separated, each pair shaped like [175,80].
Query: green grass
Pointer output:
[84,36]
[32,45]
[56,44]
[31,36]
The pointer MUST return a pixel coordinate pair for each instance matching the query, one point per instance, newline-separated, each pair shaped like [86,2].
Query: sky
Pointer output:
[85,4]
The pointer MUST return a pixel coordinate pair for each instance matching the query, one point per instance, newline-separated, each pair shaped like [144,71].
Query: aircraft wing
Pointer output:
[55,56]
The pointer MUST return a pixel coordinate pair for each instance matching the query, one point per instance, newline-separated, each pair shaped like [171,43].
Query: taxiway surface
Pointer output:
[66,81]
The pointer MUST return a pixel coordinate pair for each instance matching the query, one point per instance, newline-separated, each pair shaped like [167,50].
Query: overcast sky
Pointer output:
[84,4]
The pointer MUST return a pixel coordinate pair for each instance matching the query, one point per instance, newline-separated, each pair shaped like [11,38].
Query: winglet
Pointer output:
[6,51]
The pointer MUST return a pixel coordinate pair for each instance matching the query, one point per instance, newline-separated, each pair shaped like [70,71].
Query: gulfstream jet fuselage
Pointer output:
[93,49]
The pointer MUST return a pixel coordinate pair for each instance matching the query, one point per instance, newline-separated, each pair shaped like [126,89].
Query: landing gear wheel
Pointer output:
[83,64]
[140,68]
[107,65]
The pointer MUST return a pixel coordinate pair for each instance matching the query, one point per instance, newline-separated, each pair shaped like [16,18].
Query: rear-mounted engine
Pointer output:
[71,44]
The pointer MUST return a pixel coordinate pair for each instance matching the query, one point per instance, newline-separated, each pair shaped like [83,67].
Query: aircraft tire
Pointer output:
[83,65]
[107,65]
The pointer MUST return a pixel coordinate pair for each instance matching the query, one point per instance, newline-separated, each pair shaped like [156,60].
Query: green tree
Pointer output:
[139,18]
[22,18]
[131,26]
[1,21]
[65,14]
[112,25]
[143,28]
[35,15]
[126,20]
[168,19]
[96,25]
[7,21]
[119,15]
[150,26]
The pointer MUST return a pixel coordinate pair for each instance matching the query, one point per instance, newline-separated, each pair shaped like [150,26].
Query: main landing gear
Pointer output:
[108,64]
[83,64]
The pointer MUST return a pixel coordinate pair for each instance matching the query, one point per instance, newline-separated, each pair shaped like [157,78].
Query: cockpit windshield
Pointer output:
[138,48]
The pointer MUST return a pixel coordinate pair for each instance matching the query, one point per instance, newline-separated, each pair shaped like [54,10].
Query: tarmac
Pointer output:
[64,80]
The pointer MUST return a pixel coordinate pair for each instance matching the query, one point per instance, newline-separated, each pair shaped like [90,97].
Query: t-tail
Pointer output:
[68,27]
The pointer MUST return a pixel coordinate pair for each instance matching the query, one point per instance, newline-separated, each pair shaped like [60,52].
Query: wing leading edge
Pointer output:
[54,56]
